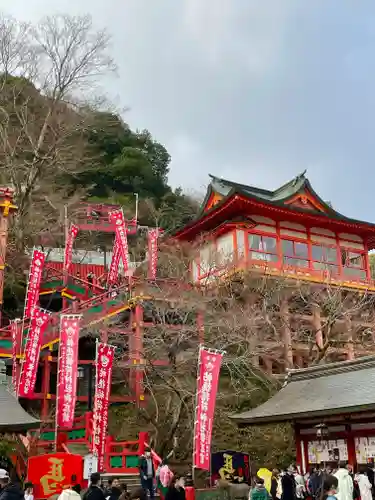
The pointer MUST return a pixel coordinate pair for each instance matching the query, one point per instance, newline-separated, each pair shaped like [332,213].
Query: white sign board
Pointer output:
[90,465]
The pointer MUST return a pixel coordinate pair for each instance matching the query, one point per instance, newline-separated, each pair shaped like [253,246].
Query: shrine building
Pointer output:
[332,410]
[289,233]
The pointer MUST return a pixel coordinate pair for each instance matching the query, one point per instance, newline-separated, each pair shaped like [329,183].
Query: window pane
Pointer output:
[269,244]
[262,243]
[355,260]
[354,272]
[268,257]
[333,269]
[287,247]
[324,254]
[295,262]
[300,250]
[322,266]
[254,241]
[317,252]
[331,254]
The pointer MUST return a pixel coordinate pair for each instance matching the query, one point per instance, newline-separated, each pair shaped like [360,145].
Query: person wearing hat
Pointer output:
[9,490]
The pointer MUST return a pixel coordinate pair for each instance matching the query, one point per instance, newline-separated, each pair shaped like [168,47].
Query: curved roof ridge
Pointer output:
[318,392]
[330,369]
[293,182]
[240,185]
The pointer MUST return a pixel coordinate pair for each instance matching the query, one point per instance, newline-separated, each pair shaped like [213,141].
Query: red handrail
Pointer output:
[65,448]
[157,460]
[80,307]
[60,273]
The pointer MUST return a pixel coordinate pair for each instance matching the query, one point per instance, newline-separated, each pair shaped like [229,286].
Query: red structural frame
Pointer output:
[118,449]
[308,238]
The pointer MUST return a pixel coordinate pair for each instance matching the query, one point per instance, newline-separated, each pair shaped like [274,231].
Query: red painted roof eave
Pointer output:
[190,231]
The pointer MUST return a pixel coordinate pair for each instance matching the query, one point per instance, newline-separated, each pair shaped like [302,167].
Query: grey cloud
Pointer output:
[254,90]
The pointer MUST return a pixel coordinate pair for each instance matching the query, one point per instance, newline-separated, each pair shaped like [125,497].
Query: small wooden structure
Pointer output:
[332,409]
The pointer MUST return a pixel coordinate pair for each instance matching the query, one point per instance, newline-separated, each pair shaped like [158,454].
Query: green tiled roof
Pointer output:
[283,193]
[322,390]
[292,187]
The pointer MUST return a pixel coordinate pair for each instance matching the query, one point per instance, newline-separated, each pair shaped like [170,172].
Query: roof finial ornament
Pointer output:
[299,176]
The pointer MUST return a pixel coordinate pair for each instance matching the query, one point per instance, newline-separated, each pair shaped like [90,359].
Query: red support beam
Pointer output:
[84,399]
[46,380]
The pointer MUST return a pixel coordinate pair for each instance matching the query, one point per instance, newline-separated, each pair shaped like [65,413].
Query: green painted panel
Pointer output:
[51,284]
[47,436]
[76,434]
[116,462]
[76,288]
[72,435]
[95,309]
[132,461]
[5,344]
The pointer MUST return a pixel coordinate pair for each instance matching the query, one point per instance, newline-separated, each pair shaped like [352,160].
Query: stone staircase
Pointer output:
[132,480]
[78,448]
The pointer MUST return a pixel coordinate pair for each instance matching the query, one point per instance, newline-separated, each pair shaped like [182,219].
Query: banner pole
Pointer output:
[196,410]
[94,452]
[16,349]
[26,297]
[57,385]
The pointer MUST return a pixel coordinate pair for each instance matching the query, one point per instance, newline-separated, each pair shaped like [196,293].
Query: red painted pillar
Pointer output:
[142,440]
[7,207]
[190,492]
[107,458]
[297,439]
[46,378]
[352,458]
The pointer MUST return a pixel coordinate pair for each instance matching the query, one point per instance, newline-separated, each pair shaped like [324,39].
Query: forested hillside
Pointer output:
[121,162]
[60,143]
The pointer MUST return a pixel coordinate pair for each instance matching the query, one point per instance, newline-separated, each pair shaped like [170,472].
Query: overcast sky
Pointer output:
[251,90]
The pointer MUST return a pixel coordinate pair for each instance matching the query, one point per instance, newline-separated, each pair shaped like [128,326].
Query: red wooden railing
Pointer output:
[121,457]
[77,307]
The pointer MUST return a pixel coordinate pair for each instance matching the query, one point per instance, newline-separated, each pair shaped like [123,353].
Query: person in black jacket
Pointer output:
[94,492]
[176,490]
[9,490]
[108,489]
[288,485]
[275,485]
[115,490]
[147,473]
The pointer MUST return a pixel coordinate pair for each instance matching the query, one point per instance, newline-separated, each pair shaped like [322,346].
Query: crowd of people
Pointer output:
[320,483]
[325,483]
[113,489]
